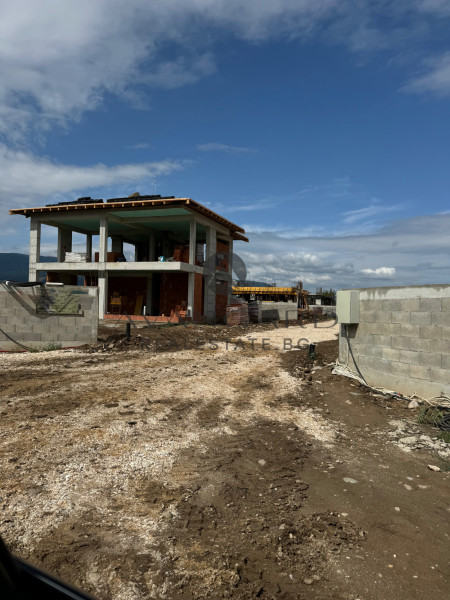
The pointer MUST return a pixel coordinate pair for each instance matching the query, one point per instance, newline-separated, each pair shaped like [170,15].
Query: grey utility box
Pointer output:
[347,306]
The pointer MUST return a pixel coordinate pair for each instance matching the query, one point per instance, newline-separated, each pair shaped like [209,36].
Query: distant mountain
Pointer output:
[14,266]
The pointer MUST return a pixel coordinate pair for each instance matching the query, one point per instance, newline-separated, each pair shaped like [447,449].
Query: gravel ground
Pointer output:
[236,471]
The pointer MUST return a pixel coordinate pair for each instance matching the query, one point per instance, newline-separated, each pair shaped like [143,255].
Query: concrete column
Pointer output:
[102,293]
[136,252]
[230,270]
[148,296]
[230,258]
[64,243]
[35,248]
[209,270]
[103,249]
[89,256]
[190,298]
[151,247]
[192,241]
[116,244]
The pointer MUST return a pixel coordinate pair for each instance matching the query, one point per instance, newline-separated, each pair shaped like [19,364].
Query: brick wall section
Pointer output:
[20,321]
[402,341]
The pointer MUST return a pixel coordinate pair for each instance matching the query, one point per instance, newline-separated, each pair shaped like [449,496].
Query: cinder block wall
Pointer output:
[278,311]
[21,322]
[402,341]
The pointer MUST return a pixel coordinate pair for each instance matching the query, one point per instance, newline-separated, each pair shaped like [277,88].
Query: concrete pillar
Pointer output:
[209,281]
[116,244]
[190,298]
[151,247]
[103,248]
[89,256]
[35,248]
[192,241]
[230,270]
[148,296]
[102,293]
[64,243]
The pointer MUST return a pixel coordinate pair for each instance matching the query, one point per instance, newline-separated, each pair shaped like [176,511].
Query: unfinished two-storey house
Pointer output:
[180,263]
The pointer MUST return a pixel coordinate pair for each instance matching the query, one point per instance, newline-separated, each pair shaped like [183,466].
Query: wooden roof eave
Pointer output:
[27,212]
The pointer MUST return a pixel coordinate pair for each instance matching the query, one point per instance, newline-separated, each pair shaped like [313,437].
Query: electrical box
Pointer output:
[347,306]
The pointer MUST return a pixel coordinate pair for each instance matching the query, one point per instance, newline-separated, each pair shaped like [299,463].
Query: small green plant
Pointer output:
[430,415]
[50,347]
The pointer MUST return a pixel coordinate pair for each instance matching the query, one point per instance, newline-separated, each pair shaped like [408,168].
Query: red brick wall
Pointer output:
[223,250]
[221,301]
[174,292]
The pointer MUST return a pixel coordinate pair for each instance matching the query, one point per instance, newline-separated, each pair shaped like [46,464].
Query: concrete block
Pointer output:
[441,318]
[40,329]
[433,332]
[383,340]
[410,357]
[3,300]
[422,345]
[445,333]
[442,345]
[366,339]
[445,304]
[368,316]
[402,343]
[430,304]
[374,351]
[445,364]
[420,318]
[392,354]
[440,375]
[369,305]
[419,372]
[410,304]
[382,316]
[389,328]
[410,330]
[391,305]
[3,320]
[400,316]
[32,337]
[398,368]
[378,364]
[49,337]
[430,359]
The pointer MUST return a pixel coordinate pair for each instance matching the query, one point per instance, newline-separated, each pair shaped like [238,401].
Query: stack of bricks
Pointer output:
[237,314]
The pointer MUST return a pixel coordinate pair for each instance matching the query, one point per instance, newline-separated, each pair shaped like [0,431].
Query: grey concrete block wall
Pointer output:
[279,311]
[22,322]
[402,340]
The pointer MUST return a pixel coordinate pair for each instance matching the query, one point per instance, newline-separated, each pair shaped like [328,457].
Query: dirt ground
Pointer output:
[185,464]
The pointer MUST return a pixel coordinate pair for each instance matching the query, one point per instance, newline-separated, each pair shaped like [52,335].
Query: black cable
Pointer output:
[14,341]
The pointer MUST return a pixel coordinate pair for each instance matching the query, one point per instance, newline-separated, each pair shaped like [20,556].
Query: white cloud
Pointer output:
[26,177]
[436,79]
[58,58]
[218,147]
[139,146]
[416,250]
[374,210]
[380,272]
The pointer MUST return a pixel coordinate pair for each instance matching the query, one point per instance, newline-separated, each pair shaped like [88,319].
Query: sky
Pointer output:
[320,126]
